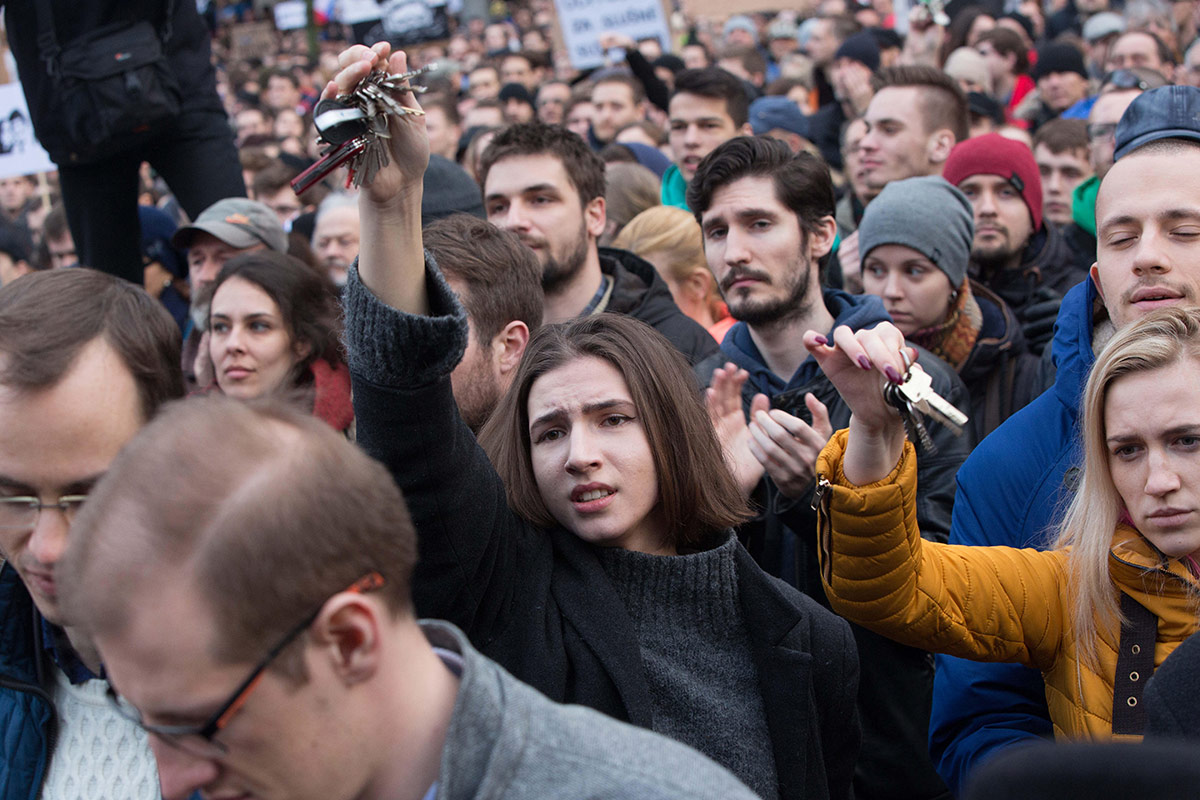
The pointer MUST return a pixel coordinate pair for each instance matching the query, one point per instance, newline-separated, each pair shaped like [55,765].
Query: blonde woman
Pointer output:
[669,238]
[1125,563]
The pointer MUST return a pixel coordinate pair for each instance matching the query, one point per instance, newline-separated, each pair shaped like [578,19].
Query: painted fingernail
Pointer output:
[864,362]
[820,339]
[892,374]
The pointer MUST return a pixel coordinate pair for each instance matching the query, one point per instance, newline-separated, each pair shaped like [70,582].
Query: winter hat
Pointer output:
[777,111]
[1058,58]
[860,47]
[449,190]
[928,215]
[993,154]
[740,22]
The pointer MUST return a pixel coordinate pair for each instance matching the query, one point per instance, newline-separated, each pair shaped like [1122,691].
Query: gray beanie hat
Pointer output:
[927,214]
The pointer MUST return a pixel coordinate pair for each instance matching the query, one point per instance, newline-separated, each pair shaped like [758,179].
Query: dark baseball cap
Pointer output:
[777,111]
[238,222]
[1169,112]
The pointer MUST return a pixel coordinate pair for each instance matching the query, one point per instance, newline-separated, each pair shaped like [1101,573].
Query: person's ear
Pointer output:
[348,632]
[595,217]
[745,130]
[698,284]
[302,350]
[821,239]
[940,144]
[1094,273]
[508,346]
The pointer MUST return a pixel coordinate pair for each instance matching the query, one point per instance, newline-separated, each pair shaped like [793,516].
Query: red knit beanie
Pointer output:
[993,154]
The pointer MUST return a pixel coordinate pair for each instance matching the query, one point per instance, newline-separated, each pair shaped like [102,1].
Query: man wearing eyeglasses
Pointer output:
[245,572]
[85,361]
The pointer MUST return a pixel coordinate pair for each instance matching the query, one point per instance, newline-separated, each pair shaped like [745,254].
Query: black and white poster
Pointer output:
[404,23]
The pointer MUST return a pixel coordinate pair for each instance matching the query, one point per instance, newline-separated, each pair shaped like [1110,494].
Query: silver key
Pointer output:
[918,434]
[917,389]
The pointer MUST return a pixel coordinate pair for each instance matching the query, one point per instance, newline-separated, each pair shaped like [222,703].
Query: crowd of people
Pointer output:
[556,460]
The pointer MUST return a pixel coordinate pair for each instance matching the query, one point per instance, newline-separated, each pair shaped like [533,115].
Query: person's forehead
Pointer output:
[71,431]
[611,92]
[1135,41]
[338,220]
[1145,186]
[687,106]
[1109,107]
[205,242]
[1043,155]
[515,174]
[983,180]
[753,192]
[895,103]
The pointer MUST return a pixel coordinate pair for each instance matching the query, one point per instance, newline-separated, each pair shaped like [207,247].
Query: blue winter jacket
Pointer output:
[1012,491]
[27,718]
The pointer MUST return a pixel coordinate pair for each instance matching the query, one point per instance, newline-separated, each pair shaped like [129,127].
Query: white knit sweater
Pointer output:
[99,755]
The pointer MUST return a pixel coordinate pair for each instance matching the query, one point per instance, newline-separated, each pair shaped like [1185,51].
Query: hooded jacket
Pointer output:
[1047,261]
[990,603]
[1010,492]
[896,681]
[27,719]
[639,292]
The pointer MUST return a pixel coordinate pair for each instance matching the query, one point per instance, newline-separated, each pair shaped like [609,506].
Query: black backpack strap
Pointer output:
[1135,665]
[46,40]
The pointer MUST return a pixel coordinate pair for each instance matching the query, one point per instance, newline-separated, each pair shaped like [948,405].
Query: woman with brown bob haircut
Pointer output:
[589,549]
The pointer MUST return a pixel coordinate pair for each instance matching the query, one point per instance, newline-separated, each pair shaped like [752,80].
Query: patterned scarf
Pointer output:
[953,339]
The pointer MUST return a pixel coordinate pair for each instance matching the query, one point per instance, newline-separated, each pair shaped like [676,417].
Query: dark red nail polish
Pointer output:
[820,340]
[864,362]
[892,375]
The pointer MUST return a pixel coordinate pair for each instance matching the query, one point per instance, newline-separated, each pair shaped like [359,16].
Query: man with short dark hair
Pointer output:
[261,664]
[499,282]
[1060,149]
[544,184]
[709,106]
[86,359]
[483,82]
[523,68]
[619,100]
[1141,48]
[767,220]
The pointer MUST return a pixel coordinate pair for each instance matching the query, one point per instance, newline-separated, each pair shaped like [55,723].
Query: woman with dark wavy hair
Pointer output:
[274,327]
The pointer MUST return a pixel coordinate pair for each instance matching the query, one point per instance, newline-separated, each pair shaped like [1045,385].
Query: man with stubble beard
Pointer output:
[545,184]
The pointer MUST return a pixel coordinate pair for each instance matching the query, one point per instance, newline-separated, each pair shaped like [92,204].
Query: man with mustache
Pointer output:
[545,184]
[1017,481]
[1028,263]
[767,221]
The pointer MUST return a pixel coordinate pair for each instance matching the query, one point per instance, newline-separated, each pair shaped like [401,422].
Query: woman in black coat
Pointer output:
[595,560]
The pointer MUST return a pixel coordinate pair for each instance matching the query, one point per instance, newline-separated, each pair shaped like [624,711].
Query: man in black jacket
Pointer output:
[545,184]
[767,221]
[195,152]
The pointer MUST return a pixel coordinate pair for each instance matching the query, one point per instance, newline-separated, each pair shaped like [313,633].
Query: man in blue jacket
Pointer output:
[1014,487]
[85,361]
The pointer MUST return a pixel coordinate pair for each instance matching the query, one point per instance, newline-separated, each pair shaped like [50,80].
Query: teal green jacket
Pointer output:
[674,188]
[1083,204]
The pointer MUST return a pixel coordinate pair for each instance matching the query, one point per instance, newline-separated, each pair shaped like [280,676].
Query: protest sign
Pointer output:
[249,40]
[582,22]
[403,23]
[20,153]
[290,15]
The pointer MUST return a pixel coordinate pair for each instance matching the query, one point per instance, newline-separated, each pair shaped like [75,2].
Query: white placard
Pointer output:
[583,21]
[290,15]
[20,153]
[352,12]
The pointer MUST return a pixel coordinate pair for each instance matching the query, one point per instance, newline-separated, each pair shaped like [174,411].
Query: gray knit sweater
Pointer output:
[696,654]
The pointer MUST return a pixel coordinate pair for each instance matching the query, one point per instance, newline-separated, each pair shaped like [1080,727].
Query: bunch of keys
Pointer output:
[914,398]
[355,128]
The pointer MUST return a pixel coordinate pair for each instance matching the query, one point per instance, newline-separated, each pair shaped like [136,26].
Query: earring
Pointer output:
[953,296]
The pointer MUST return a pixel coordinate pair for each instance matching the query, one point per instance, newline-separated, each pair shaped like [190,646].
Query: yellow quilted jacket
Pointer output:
[985,603]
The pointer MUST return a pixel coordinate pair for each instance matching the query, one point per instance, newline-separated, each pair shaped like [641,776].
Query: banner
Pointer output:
[20,153]
[404,23]
[290,15]
[251,39]
[582,22]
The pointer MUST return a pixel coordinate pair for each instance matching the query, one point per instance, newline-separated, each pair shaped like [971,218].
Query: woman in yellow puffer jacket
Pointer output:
[1132,531]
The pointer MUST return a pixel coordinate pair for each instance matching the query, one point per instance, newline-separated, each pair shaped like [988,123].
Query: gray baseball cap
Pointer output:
[238,222]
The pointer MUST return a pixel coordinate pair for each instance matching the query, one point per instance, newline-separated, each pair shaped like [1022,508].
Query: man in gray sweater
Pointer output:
[245,574]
